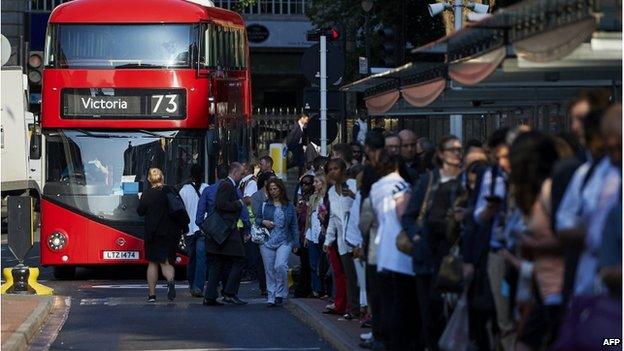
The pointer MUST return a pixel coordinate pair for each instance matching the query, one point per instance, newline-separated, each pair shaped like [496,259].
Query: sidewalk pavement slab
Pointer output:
[22,317]
[342,334]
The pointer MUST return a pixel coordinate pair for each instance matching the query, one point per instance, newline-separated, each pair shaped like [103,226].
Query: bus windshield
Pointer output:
[100,173]
[121,45]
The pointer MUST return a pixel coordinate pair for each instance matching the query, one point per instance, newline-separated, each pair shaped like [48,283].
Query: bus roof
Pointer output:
[140,11]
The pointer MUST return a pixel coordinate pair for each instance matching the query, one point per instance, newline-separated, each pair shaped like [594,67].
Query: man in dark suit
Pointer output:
[297,138]
[231,253]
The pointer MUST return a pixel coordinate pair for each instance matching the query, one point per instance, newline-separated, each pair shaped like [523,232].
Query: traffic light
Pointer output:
[332,34]
[35,68]
[388,46]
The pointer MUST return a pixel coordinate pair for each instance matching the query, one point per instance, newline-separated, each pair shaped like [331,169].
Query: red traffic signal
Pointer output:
[332,34]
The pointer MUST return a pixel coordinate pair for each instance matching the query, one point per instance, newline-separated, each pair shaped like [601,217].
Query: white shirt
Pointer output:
[190,199]
[312,234]
[587,278]
[339,207]
[383,197]
[362,131]
[579,202]
[251,186]
[354,235]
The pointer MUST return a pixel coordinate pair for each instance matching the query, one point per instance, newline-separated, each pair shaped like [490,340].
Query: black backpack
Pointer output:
[177,210]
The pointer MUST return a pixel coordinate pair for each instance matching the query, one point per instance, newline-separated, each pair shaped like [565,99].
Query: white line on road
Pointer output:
[248,349]
[137,286]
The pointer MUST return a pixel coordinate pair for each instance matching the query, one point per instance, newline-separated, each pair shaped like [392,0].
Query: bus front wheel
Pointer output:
[64,272]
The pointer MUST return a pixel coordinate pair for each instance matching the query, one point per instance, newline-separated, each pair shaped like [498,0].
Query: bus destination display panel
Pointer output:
[109,103]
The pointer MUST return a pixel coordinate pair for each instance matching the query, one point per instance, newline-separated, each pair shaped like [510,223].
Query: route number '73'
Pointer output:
[172,105]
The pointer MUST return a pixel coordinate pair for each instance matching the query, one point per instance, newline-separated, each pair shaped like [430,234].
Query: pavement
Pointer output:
[22,317]
[341,334]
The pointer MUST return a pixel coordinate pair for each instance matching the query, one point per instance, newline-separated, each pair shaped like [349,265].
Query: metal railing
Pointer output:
[272,7]
[271,125]
[44,5]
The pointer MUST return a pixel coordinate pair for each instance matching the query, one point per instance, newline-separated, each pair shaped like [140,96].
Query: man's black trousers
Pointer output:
[219,264]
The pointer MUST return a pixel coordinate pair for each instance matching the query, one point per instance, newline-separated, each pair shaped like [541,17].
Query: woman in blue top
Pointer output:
[278,215]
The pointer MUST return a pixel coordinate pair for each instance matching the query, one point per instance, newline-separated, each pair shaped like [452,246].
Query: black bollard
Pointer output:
[20,286]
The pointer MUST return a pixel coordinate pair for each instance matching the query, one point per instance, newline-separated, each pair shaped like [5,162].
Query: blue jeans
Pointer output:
[314,254]
[276,268]
[196,268]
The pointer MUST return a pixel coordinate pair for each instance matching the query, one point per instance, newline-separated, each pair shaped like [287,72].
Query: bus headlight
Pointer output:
[57,241]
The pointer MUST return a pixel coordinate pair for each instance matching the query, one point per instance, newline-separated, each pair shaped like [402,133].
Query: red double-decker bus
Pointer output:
[129,85]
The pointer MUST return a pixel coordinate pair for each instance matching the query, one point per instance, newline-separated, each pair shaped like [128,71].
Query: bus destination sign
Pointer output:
[112,103]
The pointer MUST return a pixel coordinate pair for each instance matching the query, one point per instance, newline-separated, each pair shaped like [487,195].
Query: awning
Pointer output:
[421,95]
[534,30]
[474,70]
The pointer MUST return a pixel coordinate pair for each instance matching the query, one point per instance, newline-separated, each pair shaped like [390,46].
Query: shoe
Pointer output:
[211,302]
[372,345]
[234,300]
[366,324]
[171,294]
[316,295]
[271,304]
[331,306]
[330,311]
[347,316]
[151,298]
[279,300]
[196,293]
[366,336]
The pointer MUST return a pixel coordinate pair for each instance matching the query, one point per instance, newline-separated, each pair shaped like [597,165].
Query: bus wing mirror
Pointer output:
[35,143]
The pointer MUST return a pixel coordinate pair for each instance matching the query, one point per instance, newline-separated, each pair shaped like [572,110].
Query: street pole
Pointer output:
[366,33]
[323,79]
[456,121]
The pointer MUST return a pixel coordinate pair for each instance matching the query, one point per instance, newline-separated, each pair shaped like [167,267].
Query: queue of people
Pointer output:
[511,244]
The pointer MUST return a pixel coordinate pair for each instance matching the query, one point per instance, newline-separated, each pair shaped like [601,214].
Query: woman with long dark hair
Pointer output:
[532,157]
[279,217]
[313,232]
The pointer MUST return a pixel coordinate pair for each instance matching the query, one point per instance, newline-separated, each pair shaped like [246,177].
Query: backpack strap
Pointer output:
[196,188]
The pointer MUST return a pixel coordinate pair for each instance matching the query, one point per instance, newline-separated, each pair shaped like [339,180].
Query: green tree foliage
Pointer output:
[242,4]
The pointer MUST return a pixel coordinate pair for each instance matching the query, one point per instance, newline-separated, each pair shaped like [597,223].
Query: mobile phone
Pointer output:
[494,198]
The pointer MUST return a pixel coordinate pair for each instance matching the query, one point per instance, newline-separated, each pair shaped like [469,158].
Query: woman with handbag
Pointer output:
[313,233]
[279,217]
[162,233]
[426,223]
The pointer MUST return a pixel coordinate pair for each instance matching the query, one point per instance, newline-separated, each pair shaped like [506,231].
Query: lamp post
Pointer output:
[367,6]
[456,121]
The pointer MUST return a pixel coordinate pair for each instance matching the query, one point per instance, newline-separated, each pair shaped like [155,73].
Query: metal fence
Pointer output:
[44,5]
[271,126]
[272,7]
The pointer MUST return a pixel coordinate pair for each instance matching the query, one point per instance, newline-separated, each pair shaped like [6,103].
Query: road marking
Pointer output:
[137,286]
[182,302]
[245,349]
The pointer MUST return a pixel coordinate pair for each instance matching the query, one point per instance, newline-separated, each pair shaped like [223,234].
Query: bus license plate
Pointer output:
[121,255]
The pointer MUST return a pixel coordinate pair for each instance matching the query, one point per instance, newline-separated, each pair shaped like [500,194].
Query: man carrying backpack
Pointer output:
[195,240]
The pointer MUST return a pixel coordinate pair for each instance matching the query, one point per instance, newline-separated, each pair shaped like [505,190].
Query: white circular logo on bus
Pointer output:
[121,241]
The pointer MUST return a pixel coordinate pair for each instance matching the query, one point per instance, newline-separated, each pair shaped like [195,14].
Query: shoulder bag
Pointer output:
[403,242]
[259,234]
[177,210]
[215,227]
